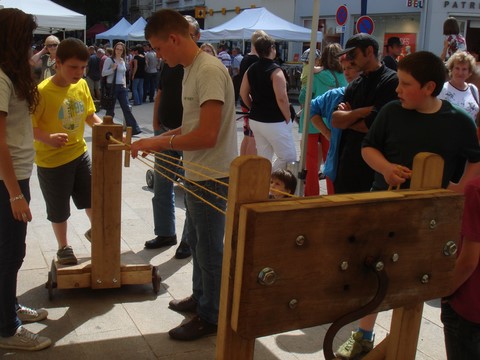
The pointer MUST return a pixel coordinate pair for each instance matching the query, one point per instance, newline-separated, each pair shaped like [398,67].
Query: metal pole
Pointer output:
[306,106]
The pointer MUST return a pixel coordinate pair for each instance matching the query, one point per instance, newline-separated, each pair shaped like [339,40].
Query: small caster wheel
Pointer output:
[150,178]
[156,279]
[50,286]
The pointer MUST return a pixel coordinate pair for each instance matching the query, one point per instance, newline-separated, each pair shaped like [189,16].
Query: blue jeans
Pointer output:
[12,252]
[149,86]
[206,233]
[163,200]
[121,93]
[137,91]
[462,337]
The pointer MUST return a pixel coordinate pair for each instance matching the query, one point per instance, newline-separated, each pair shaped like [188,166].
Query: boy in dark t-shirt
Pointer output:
[417,122]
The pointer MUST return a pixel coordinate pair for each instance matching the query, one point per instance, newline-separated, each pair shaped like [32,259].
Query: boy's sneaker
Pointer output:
[88,234]
[26,314]
[354,346]
[66,256]
[24,340]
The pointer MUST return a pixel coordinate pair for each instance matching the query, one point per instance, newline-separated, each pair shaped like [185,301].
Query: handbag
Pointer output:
[108,98]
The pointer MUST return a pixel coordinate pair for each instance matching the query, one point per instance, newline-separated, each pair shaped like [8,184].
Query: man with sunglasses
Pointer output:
[375,88]
[46,57]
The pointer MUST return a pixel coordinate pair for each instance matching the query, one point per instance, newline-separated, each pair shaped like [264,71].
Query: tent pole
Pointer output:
[308,97]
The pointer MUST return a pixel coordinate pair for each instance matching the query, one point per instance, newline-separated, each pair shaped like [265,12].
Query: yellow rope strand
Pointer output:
[193,171]
[283,193]
[185,179]
[191,163]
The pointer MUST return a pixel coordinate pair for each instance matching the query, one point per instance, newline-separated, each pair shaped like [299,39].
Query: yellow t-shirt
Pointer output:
[62,110]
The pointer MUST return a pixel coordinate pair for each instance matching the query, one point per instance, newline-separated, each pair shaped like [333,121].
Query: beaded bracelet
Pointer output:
[170,141]
[15,198]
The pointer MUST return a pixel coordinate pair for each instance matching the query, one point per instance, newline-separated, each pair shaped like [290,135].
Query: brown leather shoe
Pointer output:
[188,304]
[193,330]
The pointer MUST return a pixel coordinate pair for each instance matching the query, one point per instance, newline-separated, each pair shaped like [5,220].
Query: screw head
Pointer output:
[99,281]
[425,279]
[395,257]
[293,303]
[300,240]
[379,266]
[344,265]
[433,224]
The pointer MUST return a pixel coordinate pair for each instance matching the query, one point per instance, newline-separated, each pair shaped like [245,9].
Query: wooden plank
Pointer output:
[340,232]
[73,281]
[254,171]
[137,276]
[106,207]
[404,332]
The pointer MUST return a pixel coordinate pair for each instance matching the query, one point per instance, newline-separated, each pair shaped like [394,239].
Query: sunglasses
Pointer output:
[51,45]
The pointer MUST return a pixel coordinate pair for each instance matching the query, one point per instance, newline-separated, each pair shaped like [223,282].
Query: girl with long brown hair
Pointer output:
[18,98]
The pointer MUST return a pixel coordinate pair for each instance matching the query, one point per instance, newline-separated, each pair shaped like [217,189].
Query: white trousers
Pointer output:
[274,138]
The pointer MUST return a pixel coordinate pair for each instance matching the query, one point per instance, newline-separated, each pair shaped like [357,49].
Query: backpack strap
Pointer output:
[474,91]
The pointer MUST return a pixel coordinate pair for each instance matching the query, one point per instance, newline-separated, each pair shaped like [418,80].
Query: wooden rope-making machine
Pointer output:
[108,267]
[302,262]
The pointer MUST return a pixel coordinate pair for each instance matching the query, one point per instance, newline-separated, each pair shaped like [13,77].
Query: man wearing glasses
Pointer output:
[46,57]
[374,88]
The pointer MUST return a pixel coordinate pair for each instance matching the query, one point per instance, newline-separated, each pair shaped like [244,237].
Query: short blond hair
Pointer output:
[461,57]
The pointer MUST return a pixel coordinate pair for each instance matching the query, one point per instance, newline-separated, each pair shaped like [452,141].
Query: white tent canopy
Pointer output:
[50,16]
[117,31]
[137,28]
[248,21]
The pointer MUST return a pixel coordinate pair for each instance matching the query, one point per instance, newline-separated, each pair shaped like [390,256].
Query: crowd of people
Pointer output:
[369,118]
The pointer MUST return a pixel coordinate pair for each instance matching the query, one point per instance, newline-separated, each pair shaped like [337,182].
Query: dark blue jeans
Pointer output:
[163,200]
[12,252]
[121,93]
[205,237]
[462,337]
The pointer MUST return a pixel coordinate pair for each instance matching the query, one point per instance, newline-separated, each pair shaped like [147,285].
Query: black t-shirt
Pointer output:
[390,62]
[140,72]
[264,103]
[247,60]
[94,71]
[375,89]
[399,134]
[170,109]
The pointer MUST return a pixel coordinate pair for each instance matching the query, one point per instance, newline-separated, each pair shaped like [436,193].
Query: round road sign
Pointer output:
[365,24]
[342,15]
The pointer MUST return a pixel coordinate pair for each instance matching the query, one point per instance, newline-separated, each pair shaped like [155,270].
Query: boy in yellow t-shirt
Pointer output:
[63,163]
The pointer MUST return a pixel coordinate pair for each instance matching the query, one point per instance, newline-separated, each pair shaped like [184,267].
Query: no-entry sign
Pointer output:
[365,24]
[342,15]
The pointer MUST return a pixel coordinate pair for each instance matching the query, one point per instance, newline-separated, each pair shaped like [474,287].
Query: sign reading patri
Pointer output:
[365,24]
[342,15]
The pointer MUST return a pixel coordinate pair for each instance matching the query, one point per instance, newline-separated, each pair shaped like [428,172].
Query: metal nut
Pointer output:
[99,281]
[450,248]
[344,265]
[114,280]
[433,224]
[293,303]
[425,279]
[379,266]
[267,276]
[300,240]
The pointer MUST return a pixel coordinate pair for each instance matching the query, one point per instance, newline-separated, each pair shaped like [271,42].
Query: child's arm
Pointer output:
[56,140]
[394,174]
[471,171]
[93,119]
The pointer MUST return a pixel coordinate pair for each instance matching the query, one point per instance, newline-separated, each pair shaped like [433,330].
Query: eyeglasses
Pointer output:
[51,45]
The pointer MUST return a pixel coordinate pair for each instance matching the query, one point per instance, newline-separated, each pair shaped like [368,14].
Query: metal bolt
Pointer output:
[450,248]
[425,279]
[267,276]
[293,303]
[344,265]
[395,257]
[300,240]
[114,280]
[379,266]
[99,281]
[433,224]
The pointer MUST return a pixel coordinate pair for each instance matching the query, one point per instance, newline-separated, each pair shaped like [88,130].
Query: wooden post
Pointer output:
[106,206]
[249,182]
